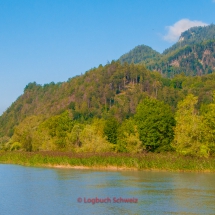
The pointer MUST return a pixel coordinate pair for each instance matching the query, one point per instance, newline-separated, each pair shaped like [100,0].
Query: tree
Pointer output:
[57,128]
[92,138]
[208,121]
[155,124]
[25,134]
[188,138]
[128,138]
[74,136]
[110,129]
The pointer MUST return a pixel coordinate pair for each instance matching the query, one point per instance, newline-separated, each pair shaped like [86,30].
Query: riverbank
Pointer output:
[110,161]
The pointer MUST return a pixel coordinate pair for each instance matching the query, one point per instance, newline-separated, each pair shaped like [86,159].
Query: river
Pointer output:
[38,191]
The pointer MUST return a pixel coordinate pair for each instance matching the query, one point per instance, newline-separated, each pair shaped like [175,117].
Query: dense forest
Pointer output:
[120,107]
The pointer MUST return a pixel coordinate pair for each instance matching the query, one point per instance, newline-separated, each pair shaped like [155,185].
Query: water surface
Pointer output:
[35,191]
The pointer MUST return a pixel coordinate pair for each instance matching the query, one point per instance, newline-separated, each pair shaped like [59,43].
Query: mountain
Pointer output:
[115,90]
[193,36]
[196,59]
[112,87]
[111,90]
[139,54]
[193,54]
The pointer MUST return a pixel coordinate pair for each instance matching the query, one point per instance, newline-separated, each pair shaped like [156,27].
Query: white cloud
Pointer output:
[182,25]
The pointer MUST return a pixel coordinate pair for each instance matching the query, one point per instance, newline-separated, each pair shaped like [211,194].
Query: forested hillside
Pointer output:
[143,102]
[113,88]
[123,108]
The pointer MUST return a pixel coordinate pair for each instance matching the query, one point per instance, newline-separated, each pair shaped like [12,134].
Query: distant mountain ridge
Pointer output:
[141,53]
[193,54]
[193,36]
[197,59]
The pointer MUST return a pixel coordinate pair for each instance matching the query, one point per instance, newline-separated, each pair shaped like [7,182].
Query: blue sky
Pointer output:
[53,40]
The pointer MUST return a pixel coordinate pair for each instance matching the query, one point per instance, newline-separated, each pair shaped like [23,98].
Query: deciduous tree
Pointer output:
[155,124]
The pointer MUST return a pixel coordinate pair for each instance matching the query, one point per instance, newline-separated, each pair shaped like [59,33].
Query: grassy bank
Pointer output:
[149,161]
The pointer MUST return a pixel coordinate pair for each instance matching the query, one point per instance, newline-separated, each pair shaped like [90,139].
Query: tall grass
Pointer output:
[149,161]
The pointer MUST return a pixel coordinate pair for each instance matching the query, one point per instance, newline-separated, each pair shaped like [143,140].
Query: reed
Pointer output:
[148,161]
